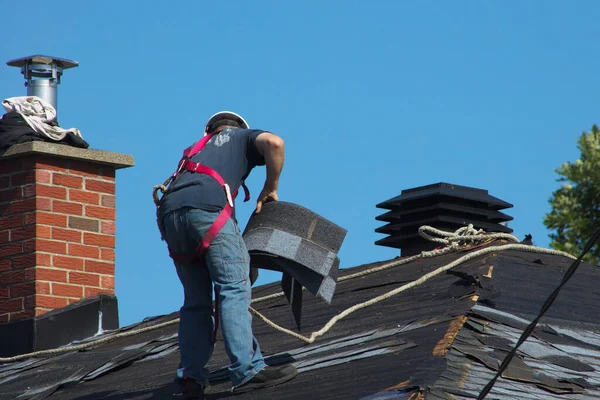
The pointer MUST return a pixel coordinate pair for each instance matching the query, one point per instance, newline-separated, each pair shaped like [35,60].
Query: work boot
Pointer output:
[189,389]
[267,377]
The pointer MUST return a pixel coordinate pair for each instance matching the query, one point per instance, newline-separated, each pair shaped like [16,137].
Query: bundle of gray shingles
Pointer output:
[301,244]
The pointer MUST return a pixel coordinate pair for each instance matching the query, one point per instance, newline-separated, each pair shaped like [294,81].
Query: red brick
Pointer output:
[67,262]
[41,311]
[51,191]
[11,277]
[100,267]
[50,274]
[51,163]
[71,301]
[5,265]
[19,206]
[84,168]
[108,282]
[5,293]
[13,221]
[4,182]
[66,234]
[43,203]
[51,246]
[11,249]
[60,289]
[43,259]
[84,197]
[42,231]
[46,218]
[108,201]
[29,302]
[99,186]
[21,178]
[107,254]
[29,245]
[22,315]
[4,236]
[67,207]
[42,287]
[22,233]
[50,302]
[30,274]
[108,228]
[10,194]
[99,240]
[85,279]
[100,212]
[30,260]
[29,218]
[4,318]
[83,224]
[22,290]
[29,190]
[91,292]
[81,250]
[67,180]
[12,305]
[42,176]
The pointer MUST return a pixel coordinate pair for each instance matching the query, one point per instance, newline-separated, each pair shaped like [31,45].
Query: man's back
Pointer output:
[233,154]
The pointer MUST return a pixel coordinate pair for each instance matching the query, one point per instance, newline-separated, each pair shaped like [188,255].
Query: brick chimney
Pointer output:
[57,226]
[57,232]
[57,244]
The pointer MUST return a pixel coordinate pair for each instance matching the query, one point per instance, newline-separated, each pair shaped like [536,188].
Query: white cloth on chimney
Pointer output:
[39,115]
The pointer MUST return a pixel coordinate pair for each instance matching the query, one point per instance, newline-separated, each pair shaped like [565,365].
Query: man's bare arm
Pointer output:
[271,147]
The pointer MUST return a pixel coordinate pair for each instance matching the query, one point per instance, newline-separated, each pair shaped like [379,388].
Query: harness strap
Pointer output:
[246,192]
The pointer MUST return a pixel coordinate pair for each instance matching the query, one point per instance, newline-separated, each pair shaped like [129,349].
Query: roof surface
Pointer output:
[443,339]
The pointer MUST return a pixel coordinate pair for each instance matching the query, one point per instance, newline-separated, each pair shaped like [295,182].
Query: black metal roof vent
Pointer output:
[443,206]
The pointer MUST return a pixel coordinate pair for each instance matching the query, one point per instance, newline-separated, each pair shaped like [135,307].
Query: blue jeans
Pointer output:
[226,265]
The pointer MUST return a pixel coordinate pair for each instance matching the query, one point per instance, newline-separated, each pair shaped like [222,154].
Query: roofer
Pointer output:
[196,221]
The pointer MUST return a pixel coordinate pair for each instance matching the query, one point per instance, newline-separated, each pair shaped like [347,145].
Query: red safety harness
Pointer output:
[187,164]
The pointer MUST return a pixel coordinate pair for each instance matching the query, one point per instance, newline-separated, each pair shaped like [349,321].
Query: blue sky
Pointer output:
[370,97]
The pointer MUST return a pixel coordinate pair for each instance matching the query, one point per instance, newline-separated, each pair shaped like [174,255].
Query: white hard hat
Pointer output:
[230,115]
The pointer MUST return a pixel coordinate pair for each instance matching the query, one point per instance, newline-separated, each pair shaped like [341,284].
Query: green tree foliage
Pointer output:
[575,211]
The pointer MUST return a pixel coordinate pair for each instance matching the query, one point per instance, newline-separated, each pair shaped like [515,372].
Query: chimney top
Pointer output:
[42,75]
[443,206]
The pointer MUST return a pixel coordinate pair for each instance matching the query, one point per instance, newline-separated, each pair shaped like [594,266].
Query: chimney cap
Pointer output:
[41,59]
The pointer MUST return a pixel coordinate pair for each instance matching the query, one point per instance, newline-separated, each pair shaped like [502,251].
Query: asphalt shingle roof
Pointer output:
[441,340]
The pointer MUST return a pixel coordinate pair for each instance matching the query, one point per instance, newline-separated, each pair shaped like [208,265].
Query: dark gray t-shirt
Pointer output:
[233,154]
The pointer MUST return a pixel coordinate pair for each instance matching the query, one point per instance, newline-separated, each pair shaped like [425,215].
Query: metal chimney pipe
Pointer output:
[42,75]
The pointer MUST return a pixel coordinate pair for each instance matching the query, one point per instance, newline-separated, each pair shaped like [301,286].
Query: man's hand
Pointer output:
[265,196]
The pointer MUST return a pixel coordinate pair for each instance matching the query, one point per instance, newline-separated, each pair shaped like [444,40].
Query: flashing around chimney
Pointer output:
[443,206]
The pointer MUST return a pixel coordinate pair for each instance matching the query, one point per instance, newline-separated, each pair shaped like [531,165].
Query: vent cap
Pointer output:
[443,206]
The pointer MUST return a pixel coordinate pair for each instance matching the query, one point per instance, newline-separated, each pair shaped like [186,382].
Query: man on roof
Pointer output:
[196,221]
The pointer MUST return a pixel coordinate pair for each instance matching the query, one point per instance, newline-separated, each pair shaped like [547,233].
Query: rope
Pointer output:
[82,346]
[452,240]
[424,278]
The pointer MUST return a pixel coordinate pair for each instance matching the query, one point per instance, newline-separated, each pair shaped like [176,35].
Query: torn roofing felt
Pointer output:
[441,340]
